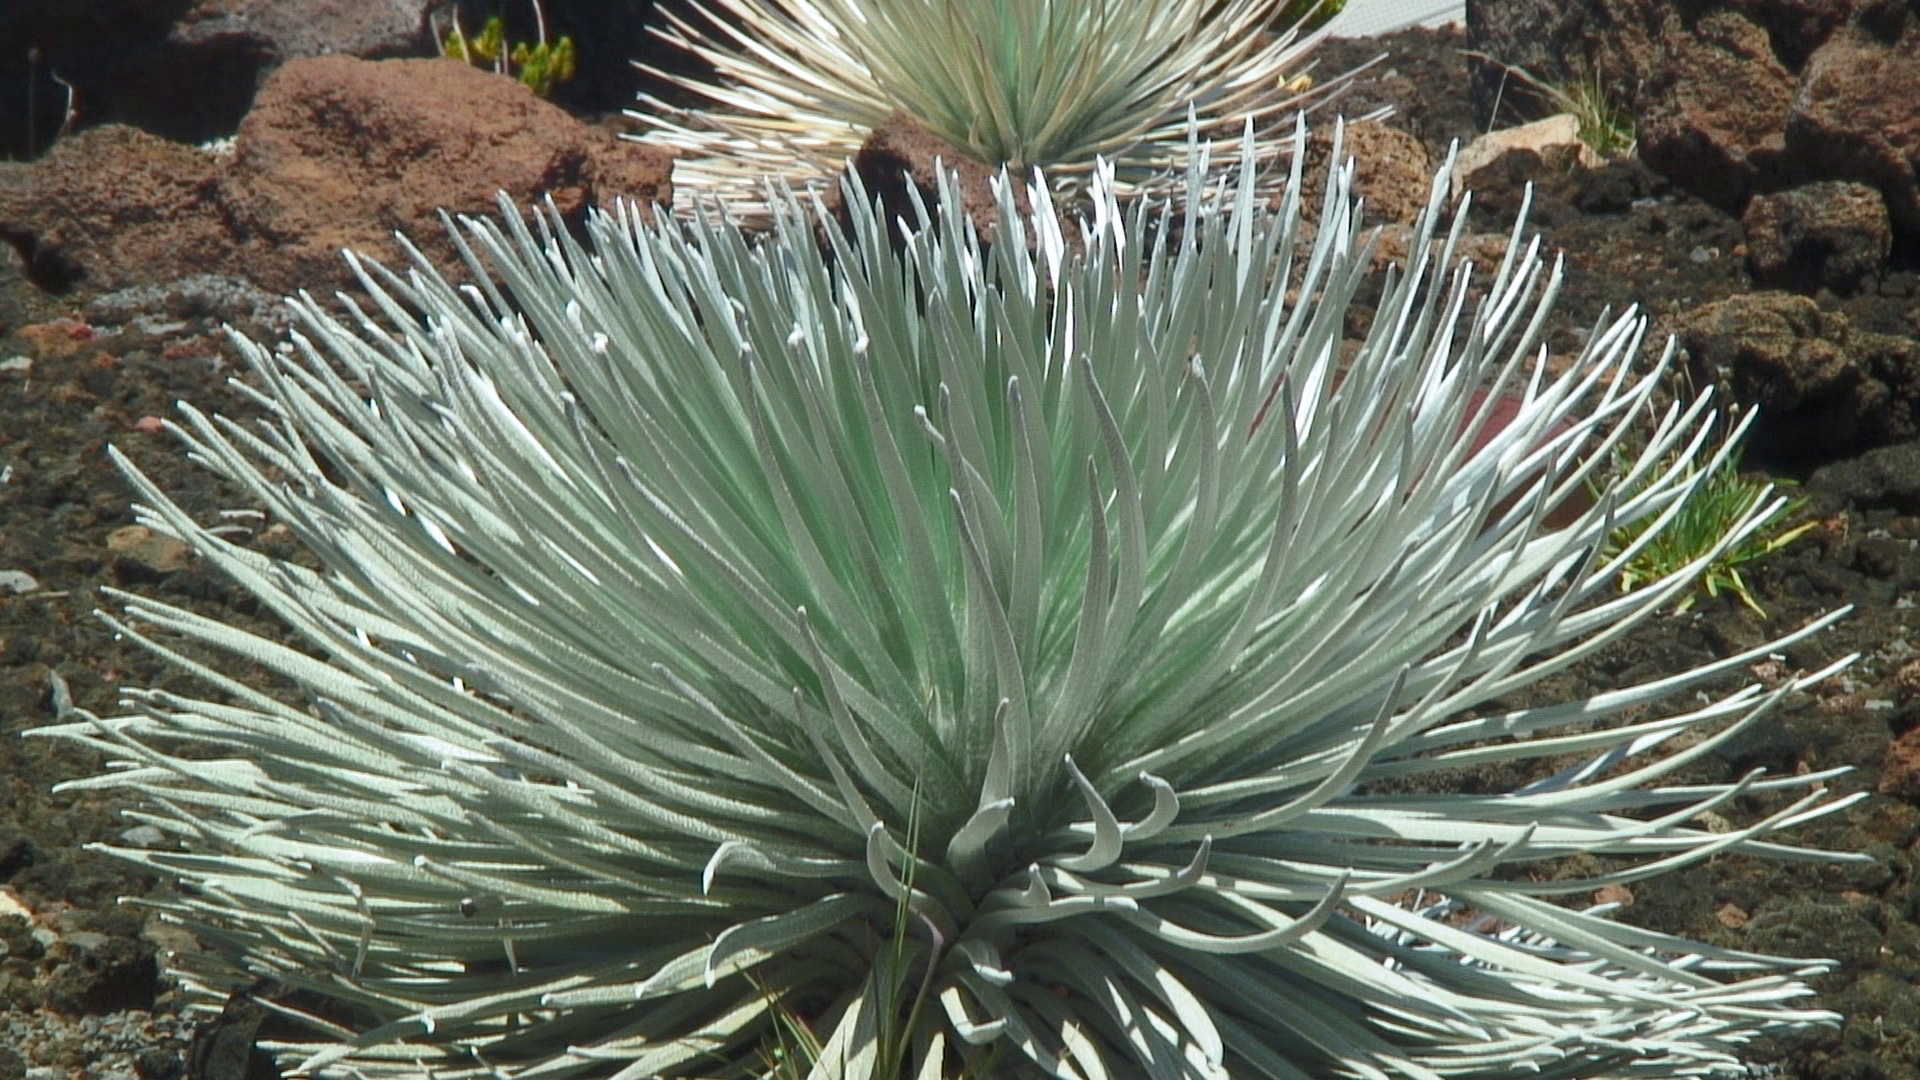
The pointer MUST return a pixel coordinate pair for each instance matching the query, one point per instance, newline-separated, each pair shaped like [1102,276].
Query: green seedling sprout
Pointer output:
[539,65]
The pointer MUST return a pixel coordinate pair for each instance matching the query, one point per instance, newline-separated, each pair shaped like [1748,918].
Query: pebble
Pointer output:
[156,551]
[147,836]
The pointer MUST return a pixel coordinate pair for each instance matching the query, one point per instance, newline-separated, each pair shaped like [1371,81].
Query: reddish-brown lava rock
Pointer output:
[1900,773]
[1825,389]
[184,70]
[113,206]
[1857,115]
[1393,174]
[59,338]
[1829,233]
[1391,171]
[1716,113]
[1734,98]
[337,153]
[341,153]
[1907,681]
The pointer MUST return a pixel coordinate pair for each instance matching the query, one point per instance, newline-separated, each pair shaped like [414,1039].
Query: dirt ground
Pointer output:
[81,993]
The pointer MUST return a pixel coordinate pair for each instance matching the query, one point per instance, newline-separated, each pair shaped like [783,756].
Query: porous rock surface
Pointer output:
[188,69]
[1831,234]
[1391,170]
[1824,388]
[1733,99]
[336,153]
[113,205]
[1393,178]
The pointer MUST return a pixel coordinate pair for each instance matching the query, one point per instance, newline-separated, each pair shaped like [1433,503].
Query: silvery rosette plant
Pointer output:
[797,85]
[1036,659]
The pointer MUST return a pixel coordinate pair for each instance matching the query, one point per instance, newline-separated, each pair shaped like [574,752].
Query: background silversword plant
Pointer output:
[1025,660]
[799,84]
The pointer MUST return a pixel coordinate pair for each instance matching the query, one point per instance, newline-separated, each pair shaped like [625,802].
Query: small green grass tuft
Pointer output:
[1606,127]
[1721,502]
[1603,124]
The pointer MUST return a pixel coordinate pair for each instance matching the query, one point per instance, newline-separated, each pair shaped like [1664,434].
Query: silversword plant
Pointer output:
[1036,659]
[797,85]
